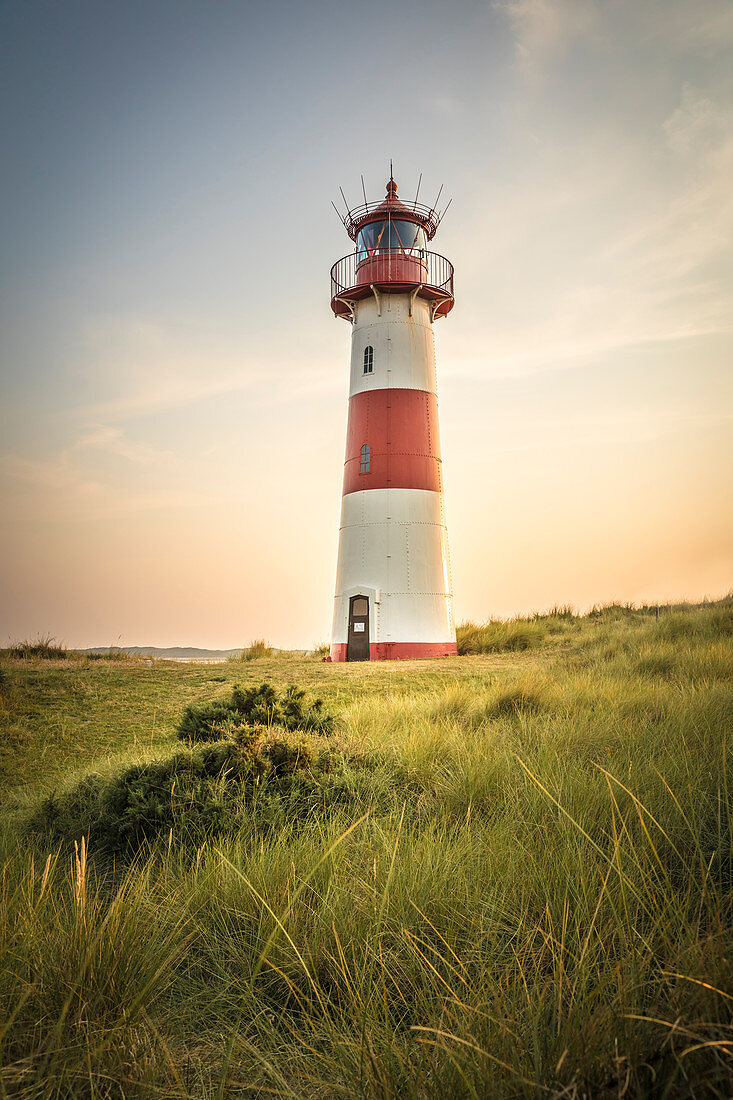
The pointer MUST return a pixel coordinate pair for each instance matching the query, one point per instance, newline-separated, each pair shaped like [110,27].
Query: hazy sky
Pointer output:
[174,384]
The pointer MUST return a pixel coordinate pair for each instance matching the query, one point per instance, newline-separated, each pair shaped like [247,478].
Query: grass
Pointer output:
[48,649]
[44,646]
[257,649]
[516,881]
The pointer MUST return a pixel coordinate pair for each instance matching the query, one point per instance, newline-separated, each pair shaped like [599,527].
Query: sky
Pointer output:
[174,385]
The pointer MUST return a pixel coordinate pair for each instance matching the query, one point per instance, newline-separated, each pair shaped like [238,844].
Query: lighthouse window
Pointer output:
[389,236]
[364,460]
[407,235]
[368,359]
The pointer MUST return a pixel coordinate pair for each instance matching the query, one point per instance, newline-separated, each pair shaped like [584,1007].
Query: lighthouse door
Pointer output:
[358,644]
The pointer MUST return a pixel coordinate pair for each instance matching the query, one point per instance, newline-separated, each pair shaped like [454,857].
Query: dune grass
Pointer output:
[518,884]
[44,646]
[257,649]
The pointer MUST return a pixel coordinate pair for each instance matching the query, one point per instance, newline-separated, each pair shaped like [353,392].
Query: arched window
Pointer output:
[364,460]
[368,359]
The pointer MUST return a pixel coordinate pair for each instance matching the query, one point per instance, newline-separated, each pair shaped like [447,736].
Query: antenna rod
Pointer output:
[340,216]
[391,173]
[343,196]
[438,198]
[414,205]
[363,188]
[450,200]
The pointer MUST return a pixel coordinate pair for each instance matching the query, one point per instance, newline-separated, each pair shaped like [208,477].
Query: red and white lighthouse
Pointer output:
[393,584]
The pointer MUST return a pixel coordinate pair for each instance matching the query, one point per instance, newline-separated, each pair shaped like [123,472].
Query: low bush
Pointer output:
[195,793]
[206,722]
[251,707]
[273,779]
[120,812]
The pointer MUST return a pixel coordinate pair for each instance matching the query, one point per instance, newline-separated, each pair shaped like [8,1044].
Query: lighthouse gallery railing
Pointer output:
[414,266]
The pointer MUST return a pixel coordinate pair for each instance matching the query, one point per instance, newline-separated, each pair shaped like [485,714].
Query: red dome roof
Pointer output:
[391,207]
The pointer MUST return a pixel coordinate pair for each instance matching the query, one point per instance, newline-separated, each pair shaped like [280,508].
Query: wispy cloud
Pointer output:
[698,124]
[618,240]
[543,28]
[57,476]
[144,368]
[694,227]
[681,26]
[111,440]
[101,472]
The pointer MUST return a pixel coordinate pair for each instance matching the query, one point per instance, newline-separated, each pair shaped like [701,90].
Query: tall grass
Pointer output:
[44,647]
[499,636]
[523,888]
[257,650]
[84,965]
[527,632]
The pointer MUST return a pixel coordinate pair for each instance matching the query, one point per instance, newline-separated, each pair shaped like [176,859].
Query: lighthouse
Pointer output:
[393,583]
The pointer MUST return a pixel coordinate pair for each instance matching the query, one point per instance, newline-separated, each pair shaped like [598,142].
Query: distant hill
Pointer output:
[173,653]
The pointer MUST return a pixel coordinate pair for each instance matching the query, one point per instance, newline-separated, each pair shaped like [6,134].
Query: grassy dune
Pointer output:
[513,878]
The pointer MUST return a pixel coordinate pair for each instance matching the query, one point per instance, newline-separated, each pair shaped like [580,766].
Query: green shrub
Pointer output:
[252,707]
[206,722]
[272,778]
[196,793]
[119,813]
[286,754]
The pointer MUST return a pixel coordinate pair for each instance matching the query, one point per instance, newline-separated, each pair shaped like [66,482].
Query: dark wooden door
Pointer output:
[357,648]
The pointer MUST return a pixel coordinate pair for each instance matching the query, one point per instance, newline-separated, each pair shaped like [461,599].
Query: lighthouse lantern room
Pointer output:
[393,585]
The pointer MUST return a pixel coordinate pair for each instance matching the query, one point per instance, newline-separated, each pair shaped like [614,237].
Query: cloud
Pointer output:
[54,475]
[145,368]
[684,26]
[139,368]
[100,474]
[696,124]
[612,236]
[543,28]
[111,440]
[693,228]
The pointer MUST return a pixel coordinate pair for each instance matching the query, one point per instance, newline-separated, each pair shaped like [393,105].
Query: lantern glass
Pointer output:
[389,236]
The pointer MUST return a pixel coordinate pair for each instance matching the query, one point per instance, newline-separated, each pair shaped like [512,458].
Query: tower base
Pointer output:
[399,651]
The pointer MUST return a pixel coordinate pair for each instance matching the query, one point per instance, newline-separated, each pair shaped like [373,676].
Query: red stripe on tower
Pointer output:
[400,428]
